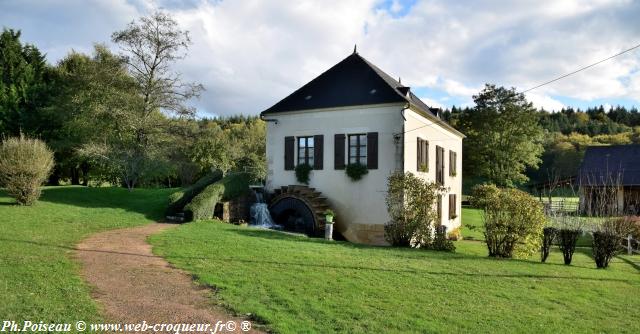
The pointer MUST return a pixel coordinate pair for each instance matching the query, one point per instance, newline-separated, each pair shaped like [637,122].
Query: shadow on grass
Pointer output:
[635,265]
[399,253]
[150,202]
[323,266]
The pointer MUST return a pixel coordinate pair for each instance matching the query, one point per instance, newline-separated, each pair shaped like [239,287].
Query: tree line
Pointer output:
[511,143]
[125,116]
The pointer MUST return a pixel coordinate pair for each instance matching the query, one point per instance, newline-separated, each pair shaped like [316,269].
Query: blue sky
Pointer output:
[250,53]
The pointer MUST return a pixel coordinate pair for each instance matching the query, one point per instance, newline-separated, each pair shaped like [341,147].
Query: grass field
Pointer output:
[38,279]
[296,284]
[472,224]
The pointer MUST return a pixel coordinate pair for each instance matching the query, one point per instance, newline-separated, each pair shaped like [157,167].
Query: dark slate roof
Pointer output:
[605,165]
[353,81]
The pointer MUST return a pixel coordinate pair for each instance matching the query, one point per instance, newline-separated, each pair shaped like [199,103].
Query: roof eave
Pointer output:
[435,119]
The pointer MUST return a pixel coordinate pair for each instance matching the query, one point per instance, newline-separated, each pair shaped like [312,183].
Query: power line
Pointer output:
[582,69]
[556,79]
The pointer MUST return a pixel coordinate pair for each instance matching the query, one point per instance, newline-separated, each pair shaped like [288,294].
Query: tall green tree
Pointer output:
[504,137]
[135,109]
[25,87]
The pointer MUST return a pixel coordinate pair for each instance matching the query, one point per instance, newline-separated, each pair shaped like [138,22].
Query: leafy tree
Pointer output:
[503,136]
[135,107]
[25,87]
[215,150]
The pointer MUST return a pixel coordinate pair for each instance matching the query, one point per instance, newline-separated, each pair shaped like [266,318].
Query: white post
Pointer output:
[629,249]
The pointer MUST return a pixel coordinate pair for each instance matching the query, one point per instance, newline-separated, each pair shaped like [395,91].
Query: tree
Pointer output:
[136,110]
[150,47]
[25,88]
[504,137]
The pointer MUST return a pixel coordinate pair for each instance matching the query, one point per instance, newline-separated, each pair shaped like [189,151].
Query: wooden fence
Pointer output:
[562,205]
[629,247]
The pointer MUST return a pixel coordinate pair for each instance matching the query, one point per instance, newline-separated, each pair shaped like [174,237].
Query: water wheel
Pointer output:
[299,209]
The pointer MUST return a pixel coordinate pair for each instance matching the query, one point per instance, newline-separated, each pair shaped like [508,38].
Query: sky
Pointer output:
[249,54]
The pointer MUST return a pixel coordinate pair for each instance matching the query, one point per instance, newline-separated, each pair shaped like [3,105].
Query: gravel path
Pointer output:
[133,285]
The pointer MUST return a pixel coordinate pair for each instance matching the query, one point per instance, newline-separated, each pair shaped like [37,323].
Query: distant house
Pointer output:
[356,113]
[610,180]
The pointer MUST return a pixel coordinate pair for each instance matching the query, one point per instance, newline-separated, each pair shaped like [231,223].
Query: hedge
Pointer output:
[179,199]
[203,205]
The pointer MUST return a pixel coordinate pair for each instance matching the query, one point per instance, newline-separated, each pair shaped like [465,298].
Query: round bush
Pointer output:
[513,221]
[24,165]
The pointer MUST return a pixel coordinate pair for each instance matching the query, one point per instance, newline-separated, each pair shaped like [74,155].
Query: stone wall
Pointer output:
[235,210]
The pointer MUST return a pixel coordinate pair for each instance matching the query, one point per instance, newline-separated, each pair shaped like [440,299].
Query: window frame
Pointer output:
[361,150]
[305,157]
[440,168]
[453,163]
[422,155]
[453,209]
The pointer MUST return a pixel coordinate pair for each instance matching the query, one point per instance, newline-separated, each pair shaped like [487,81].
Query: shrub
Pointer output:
[302,173]
[356,171]
[441,242]
[229,187]
[567,239]
[24,165]
[608,237]
[455,234]
[605,246]
[513,221]
[548,234]
[179,199]
[411,206]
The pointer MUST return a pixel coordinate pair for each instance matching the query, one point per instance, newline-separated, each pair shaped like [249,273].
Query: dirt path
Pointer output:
[133,285]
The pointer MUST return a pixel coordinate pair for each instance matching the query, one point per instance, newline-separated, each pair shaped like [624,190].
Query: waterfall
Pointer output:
[260,216]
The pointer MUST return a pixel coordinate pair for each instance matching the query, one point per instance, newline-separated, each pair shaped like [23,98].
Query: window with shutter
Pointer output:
[358,149]
[289,147]
[338,151]
[372,150]
[419,155]
[423,155]
[318,162]
[439,203]
[453,205]
[306,152]
[453,163]
[439,165]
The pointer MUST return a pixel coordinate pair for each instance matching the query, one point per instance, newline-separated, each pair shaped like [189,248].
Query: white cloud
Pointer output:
[249,54]
[544,101]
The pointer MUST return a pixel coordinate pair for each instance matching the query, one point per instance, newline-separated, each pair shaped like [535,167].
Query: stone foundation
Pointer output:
[235,210]
[370,234]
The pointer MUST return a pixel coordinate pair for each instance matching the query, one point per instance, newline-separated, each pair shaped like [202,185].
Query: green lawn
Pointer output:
[296,284]
[472,224]
[38,279]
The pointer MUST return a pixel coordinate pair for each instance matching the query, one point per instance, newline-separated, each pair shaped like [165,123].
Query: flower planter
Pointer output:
[328,231]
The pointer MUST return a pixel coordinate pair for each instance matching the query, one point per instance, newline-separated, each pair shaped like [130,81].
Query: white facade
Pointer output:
[360,206]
